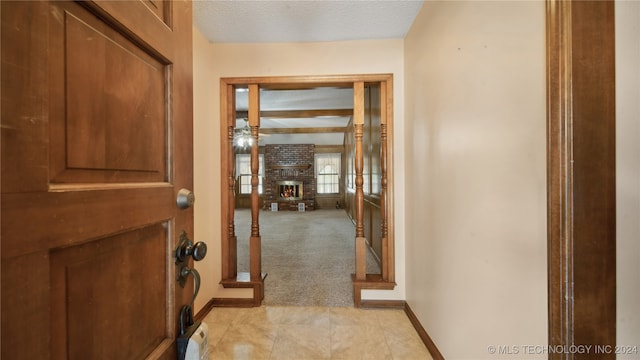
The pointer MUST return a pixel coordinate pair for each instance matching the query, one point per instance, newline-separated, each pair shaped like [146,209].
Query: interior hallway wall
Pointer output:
[215,60]
[206,171]
[476,259]
[627,15]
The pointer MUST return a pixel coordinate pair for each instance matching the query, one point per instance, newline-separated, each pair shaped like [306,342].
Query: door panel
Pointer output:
[96,143]
[87,278]
[115,99]
[110,123]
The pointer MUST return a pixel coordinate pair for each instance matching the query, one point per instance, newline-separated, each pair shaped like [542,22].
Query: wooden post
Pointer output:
[229,247]
[358,122]
[383,181]
[255,251]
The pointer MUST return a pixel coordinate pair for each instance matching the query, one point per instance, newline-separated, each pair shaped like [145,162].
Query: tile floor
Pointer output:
[309,333]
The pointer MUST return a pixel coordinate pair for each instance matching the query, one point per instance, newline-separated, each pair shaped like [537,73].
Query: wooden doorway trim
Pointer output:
[230,276]
[581,174]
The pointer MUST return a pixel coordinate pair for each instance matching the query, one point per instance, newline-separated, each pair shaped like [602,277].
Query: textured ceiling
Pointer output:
[240,21]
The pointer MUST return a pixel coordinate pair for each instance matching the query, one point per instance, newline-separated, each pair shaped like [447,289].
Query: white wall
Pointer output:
[207,210]
[475,162]
[213,61]
[628,173]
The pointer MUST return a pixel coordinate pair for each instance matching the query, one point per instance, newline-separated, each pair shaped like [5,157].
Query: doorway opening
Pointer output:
[362,187]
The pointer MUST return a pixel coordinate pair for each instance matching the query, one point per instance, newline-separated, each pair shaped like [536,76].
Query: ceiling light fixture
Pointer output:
[242,138]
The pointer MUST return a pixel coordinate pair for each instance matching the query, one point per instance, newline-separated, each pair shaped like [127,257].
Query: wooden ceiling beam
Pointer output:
[314,130]
[296,114]
[310,86]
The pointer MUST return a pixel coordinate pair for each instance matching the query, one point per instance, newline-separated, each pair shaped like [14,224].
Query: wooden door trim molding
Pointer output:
[230,277]
[558,176]
[581,174]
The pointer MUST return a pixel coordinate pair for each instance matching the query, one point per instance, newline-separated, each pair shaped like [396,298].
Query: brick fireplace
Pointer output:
[289,165]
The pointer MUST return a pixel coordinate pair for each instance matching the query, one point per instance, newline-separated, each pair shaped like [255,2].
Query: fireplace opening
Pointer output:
[289,190]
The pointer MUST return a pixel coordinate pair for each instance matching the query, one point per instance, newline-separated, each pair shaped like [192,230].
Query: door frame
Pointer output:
[581,194]
[255,279]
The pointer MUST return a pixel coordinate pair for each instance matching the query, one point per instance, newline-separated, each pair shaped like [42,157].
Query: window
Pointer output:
[243,169]
[327,173]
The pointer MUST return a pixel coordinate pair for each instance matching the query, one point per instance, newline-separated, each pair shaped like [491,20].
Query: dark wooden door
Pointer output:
[96,143]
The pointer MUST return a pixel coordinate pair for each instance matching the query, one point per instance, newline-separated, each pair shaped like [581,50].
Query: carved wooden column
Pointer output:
[255,251]
[358,122]
[386,250]
[230,247]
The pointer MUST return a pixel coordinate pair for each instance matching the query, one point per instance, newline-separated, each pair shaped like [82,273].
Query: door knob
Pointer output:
[187,248]
[185,199]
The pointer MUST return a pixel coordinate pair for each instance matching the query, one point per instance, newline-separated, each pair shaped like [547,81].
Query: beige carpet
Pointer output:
[309,256]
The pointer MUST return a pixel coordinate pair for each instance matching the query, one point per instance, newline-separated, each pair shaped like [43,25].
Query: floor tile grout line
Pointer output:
[275,339]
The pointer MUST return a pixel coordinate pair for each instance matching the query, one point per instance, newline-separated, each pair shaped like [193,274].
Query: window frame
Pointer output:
[239,158]
[337,158]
